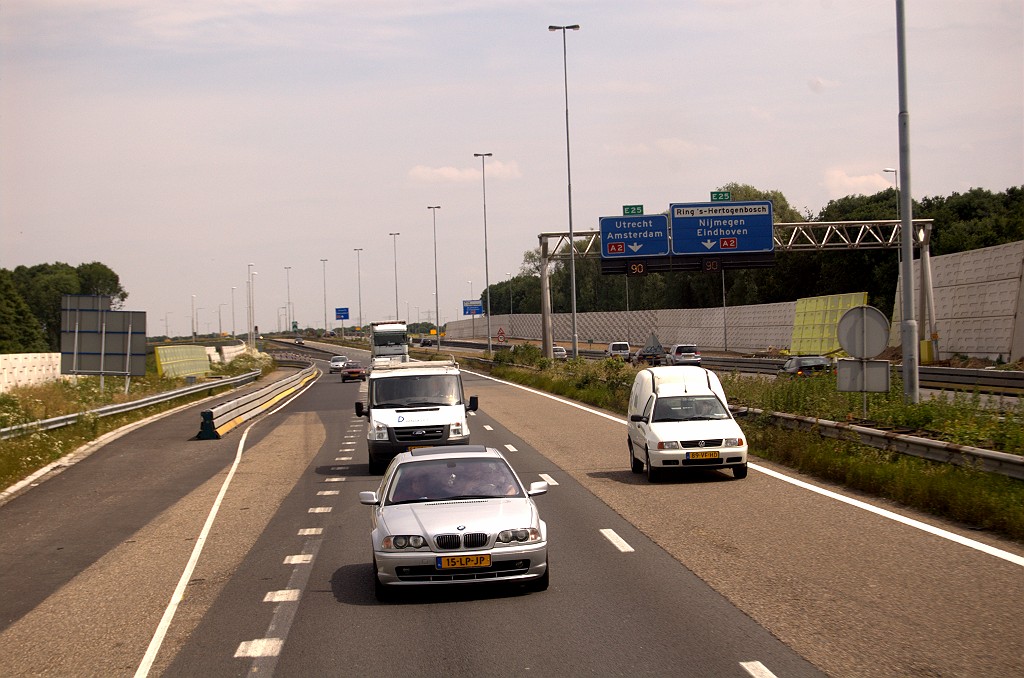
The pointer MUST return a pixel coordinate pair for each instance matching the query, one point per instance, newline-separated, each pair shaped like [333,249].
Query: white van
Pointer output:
[413,404]
[679,419]
[617,349]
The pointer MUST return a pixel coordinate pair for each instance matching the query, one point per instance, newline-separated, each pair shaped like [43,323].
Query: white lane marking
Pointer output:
[334,479]
[328,493]
[282,596]
[617,541]
[310,531]
[179,591]
[300,559]
[757,669]
[511,448]
[548,479]
[261,647]
[343,459]
[320,509]
[909,522]
[488,427]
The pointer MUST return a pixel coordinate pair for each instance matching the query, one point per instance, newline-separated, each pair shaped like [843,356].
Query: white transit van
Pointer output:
[413,404]
[679,419]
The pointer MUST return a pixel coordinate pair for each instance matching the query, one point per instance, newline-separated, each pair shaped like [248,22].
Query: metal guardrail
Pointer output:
[1003,463]
[68,419]
[219,420]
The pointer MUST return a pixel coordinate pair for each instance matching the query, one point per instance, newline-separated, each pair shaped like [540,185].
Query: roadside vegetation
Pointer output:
[975,498]
[23,455]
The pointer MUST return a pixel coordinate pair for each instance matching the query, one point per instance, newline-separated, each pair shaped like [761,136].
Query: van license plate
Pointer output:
[708,454]
[459,562]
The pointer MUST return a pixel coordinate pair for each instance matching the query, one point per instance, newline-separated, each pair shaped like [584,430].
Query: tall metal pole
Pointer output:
[909,325]
[288,305]
[248,306]
[394,240]
[437,304]
[487,274]
[193,318]
[252,297]
[233,336]
[568,167]
[220,323]
[167,332]
[323,262]
[359,284]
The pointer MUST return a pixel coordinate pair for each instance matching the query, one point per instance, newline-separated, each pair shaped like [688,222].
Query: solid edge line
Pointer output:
[165,622]
[910,522]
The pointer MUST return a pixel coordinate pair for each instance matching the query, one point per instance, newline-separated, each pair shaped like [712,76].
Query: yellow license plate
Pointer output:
[709,454]
[416,447]
[458,562]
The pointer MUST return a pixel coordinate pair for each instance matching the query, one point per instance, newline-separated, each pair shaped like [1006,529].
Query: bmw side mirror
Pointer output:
[368,497]
[539,487]
[633,417]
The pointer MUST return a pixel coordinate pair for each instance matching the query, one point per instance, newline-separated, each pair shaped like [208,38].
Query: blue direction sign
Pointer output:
[472,307]
[644,235]
[722,227]
[341,314]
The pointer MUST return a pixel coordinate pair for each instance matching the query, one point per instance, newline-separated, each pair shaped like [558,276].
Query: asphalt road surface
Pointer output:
[698,576]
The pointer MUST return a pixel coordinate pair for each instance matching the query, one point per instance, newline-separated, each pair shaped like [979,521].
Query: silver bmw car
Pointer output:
[455,515]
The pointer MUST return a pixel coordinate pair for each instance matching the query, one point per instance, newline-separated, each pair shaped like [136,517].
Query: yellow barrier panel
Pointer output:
[816,319]
[181,361]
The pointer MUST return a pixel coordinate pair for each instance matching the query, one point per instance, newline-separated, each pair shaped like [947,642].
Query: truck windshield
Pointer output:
[388,338]
[416,391]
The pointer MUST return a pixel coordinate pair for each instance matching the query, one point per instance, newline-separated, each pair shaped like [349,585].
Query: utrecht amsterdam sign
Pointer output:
[644,235]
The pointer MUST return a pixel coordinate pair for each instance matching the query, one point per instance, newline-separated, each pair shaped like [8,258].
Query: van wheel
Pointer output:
[376,467]
[635,465]
[653,472]
[739,472]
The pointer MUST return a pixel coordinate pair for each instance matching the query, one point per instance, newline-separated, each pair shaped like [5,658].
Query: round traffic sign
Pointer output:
[863,332]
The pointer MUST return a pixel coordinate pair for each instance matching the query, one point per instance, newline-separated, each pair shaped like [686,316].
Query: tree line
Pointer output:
[962,221]
[30,296]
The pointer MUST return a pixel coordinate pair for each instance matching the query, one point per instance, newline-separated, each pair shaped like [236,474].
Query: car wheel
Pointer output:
[635,465]
[739,472]
[653,472]
[541,583]
[376,467]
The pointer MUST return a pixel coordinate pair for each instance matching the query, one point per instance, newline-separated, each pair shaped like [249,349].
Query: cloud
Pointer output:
[495,170]
[840,184]
[819,84]
[683,148]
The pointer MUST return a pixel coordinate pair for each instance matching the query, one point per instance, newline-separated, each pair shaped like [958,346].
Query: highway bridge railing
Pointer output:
[217,421]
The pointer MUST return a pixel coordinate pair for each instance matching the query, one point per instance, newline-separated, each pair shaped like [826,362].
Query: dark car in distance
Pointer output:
[807,366]
[353,370]
[650,355]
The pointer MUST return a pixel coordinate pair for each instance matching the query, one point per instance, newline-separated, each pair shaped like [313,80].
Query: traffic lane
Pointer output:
[263,514]
[574,628]
[853,592]
[69,520]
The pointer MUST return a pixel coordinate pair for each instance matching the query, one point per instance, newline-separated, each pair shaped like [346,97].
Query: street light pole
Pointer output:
[568,168]
[233,336]
[324,263]
[359,284]
[288,303]
[193,318]
[487,275]
[472,315]
[394,240]
[249,307]
[896,179]
[220,322]
[167,332]
[437,314]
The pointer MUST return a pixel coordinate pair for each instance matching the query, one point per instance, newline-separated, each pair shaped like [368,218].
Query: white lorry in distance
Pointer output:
[389,341]
[413,404]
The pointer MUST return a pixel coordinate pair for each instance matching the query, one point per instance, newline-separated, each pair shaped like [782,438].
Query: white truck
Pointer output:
[389,341]
[413,404]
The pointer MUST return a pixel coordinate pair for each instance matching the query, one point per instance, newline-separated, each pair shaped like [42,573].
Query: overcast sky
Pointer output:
[177,141]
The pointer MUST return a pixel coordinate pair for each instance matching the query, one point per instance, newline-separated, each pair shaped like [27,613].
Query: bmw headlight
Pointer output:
[522,535]
[403,541]
[668,445]
[379,432]
[733,442]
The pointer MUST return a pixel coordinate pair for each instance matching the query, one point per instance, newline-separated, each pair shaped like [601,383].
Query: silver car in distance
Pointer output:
[455,515]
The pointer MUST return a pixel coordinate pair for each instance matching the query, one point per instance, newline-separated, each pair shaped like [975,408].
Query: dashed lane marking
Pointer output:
[282,596]
[617,541]
[261,647]
[300,559]
[511,448]
[320,509]
[328,493]
[310,531]
[757,669]
[548,479]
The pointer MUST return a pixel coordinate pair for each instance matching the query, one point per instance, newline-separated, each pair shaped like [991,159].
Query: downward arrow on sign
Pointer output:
[708,243]
[636,247]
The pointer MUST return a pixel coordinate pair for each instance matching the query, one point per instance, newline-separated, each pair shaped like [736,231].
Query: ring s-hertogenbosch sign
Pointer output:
[721,227]
[644,235]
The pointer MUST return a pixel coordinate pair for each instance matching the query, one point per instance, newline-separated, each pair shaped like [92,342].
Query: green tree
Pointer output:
[97,278]
[20,331]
